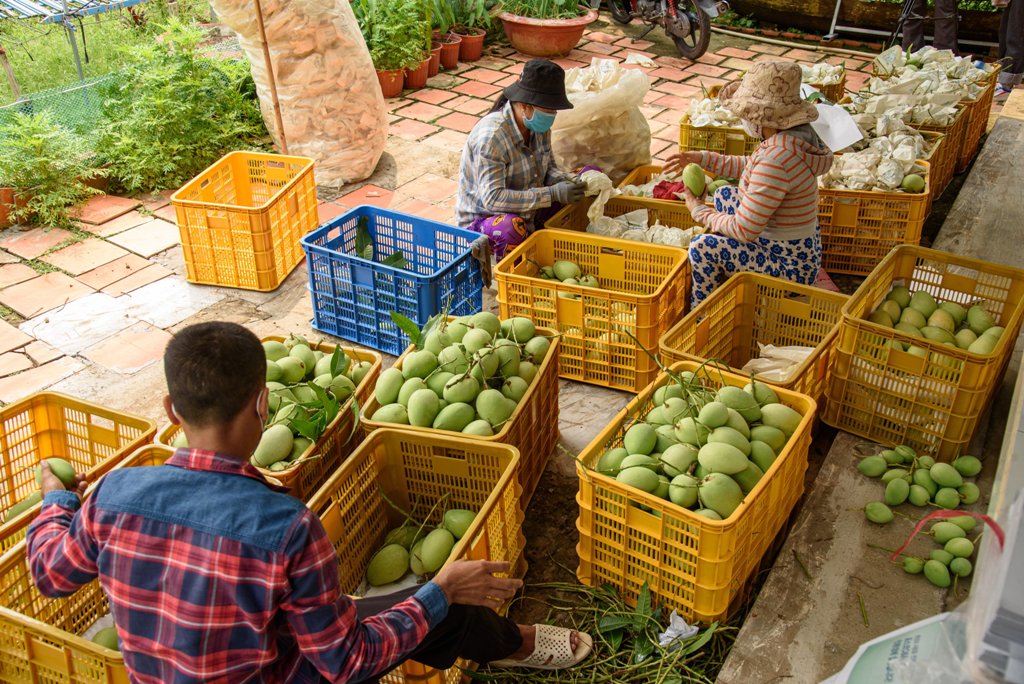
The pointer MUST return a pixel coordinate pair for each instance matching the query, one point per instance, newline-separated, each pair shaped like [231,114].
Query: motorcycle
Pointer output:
[687,22]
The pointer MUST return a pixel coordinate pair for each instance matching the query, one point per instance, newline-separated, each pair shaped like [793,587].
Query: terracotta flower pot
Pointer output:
[391,82]
[450,45]
[7,205]
[546,37]
[472,46]
[435,60]
[417,78]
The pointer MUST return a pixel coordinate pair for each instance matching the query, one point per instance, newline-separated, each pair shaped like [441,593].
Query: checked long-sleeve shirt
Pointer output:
[213,576]
[502,173]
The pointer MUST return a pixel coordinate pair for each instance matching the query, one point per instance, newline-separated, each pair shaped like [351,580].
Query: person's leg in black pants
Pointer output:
[913,27]
[1011,44]
[945,34]
[470,632]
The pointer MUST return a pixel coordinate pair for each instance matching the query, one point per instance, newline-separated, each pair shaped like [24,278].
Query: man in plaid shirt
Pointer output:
[215,575]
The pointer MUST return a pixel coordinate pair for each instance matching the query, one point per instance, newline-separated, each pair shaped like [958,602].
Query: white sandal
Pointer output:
[552,650]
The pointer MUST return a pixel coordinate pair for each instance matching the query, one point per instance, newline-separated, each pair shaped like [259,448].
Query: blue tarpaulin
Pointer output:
[52,11]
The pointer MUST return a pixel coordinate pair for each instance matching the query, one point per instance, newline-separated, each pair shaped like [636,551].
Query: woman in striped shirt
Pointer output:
[774,230]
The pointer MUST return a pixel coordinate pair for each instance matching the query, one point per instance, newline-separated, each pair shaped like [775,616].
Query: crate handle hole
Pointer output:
[612,251]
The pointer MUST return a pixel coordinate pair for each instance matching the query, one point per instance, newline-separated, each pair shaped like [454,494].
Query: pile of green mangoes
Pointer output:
[952,559]
[411,547]
[703,449]
[301,381]
[107,638]
[468,376]
[918,314]
[919,480]
[568,273]
[64,471]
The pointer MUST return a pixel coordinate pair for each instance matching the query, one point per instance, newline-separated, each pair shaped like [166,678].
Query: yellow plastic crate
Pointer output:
[977,114]
[833,91]
[532,428]
[40,637]
[241,220]
[721,139]
[412,469]
[334,445]
[693,564]
[931,403]
[644,290]
[941,164]
[750,309]
[92,438]
[858,228]
[955,134]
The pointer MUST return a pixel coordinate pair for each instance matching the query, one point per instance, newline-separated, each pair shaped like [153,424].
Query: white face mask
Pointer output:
[751,129]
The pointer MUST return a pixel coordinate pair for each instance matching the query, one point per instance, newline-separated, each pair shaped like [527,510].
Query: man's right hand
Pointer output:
[567,192]
[472,583]
[677,162]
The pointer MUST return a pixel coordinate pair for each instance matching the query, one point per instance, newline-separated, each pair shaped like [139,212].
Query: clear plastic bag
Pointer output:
[331,103]
[605,127]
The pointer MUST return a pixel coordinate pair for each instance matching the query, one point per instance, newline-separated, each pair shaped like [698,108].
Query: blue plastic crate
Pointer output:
[353,297]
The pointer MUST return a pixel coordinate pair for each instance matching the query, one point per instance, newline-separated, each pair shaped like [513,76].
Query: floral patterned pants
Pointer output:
[713,258]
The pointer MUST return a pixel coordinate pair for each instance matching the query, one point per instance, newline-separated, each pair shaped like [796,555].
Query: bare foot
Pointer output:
[529,635]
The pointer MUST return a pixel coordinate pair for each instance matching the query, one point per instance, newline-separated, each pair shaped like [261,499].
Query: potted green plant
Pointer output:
[445,45]
[471,21]
[44,171]
[393,30]
[545,28]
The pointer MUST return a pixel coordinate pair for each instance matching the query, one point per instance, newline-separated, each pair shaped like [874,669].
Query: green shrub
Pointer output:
[396,31]
[47,165]
[543,9]
[176,112]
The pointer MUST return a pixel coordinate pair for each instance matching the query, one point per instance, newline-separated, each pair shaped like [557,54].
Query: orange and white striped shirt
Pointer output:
[778,189]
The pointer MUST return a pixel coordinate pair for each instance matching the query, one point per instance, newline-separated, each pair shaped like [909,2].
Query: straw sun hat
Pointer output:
[769,95]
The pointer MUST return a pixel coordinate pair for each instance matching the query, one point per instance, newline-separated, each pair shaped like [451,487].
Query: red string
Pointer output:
[996,529]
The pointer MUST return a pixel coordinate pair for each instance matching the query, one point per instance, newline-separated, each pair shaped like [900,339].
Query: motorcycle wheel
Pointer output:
[621,11]
[694,42]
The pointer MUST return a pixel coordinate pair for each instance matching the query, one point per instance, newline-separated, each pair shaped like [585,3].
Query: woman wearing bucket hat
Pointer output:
[774,230]
[508,178]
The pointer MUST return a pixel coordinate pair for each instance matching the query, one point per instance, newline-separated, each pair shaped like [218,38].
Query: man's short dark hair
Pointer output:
[213,370]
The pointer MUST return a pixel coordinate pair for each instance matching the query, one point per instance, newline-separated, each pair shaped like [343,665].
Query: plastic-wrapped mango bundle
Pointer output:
[892,138]
[896,62]
[633,226]
[822,73]
[870,169]
[710,112]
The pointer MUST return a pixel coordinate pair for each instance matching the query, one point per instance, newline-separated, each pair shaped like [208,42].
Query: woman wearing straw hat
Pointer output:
[774,230]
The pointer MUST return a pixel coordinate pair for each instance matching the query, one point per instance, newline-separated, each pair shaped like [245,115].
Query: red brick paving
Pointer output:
[121,223]
[16,386]
[803,54]
[431,95]
[477,89]
[84,256]
[329,210]
[30,244]
[422,111]
[599,48]
[107,274]
[736,52]
[670,74]
[469,105]
[460,122]
[484,75]
[680,89]
[410,129]
[102,208]
[737,63]
[12,274]
[368,194]
[11,337]
[707,70]
[768,49]
[702,81]
[602,37]
[634,44]
[42,294]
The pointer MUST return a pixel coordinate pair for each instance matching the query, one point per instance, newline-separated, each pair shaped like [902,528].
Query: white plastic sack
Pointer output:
[331,103]
[605,127]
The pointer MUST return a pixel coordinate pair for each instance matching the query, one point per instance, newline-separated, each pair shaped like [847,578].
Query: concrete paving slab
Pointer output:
[168,301]
[81,324]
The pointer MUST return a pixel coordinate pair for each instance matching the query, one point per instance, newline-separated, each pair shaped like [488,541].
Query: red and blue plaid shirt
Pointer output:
[213,576]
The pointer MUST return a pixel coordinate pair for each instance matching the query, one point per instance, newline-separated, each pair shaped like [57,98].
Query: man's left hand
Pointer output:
[52,483]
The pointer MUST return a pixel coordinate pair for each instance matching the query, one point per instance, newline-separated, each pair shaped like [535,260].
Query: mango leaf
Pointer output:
[310,429]
[644,648]
[615,639]
[700,641]
[432,322]
[396,260]
[355,419]
[329,405]
[611,623]
[411,330]
[364,240]
[643,601]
